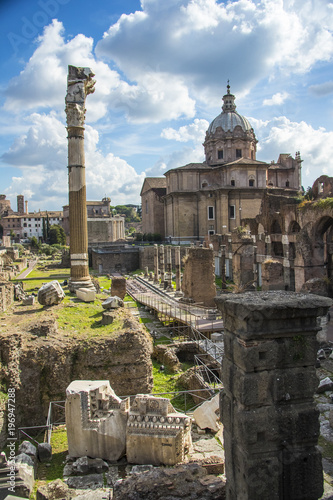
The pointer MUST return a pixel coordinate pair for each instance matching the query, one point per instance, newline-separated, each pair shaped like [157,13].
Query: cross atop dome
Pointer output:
[228,101]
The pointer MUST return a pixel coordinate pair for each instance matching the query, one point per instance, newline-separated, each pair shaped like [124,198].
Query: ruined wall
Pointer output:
[270,418]
[6,295]
[199,276]
[272,275]
[108,260]
[41,363]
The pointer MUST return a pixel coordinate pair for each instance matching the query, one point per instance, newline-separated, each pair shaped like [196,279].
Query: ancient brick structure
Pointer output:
[272,275]
[118,287]
[79,85]
[199,278]
[270,419]
[6,295]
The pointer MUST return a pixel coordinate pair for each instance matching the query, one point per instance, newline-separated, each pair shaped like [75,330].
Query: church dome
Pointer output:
[230,136]
[229,119]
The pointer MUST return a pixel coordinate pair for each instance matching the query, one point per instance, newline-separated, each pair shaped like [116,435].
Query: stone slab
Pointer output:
[85,294]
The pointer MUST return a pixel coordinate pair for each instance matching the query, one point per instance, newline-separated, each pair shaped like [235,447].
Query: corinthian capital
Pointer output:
[80,83]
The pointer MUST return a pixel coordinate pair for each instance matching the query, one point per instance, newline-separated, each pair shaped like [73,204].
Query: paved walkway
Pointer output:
[24,274]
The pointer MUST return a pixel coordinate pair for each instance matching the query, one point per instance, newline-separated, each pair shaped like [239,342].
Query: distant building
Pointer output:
[215,196]
[152,196]
[102,226]
[25,226]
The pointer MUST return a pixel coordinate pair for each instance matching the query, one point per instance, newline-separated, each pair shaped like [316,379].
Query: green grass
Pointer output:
[168,382]
[39,276]
[55,469]
[75,317]
[84,317]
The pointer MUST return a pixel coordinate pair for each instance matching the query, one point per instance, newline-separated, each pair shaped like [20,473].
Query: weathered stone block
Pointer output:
[207,415]
[118,287]
[95,420]
[85,294]
[50,294]
[44,452]
[156,434]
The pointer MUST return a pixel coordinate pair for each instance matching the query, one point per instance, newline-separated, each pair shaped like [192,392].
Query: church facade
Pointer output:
[215,196]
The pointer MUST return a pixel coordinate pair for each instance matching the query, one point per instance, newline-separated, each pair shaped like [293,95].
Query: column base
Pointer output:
[74,284]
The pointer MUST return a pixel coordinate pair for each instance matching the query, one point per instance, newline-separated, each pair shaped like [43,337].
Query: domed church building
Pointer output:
[213,197]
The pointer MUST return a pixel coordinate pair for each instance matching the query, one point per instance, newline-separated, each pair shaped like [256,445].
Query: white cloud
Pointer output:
[280,135]
[194,132]
[42,83]
[41,156]
[200,40]
[276,99]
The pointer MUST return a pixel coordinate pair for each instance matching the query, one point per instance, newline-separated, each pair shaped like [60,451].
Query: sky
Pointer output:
[161,69]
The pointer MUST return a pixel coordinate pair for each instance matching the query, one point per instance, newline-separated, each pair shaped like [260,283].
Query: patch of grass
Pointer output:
[104,282]
[145,320]
[39,276]
[168,382]
[84,318]
[55,469]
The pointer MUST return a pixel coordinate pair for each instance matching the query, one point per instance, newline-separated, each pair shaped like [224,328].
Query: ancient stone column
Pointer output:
[178,269]
[169,269]
[162,265]
[270,419]
[80,83]
[155,264]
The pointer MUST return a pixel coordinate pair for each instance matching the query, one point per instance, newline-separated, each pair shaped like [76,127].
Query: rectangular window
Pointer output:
[220,154]
[211,232]
[211,213]
[238,153]
[232,211]
[251,182]
[232,182]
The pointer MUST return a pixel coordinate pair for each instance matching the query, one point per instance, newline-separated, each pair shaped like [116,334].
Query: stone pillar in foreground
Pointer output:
[162,265]
[79,85]
[156,264]
[169,269]
[270,419]
[178,270]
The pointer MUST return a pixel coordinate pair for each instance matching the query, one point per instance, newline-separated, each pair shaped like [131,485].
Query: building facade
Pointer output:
[215,196]
[102,226]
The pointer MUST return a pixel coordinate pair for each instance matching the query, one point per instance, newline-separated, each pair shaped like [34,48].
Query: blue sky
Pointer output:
[161,70]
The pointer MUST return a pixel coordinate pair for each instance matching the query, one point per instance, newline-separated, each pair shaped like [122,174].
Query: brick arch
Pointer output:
[294,227]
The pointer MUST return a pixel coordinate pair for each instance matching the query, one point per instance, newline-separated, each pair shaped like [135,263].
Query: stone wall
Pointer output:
[40,363]
[272,275]
[270,418]
[110,260]
[199,276]
[6,295]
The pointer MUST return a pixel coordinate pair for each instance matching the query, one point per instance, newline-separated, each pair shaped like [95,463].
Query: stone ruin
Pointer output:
[270,419]
[156,433]
[101,425]
[199,277]
[50,293]
[96,420]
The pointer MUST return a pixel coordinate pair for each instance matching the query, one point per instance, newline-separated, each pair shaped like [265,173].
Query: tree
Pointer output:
[57,235]
[34,242]
[44,230]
